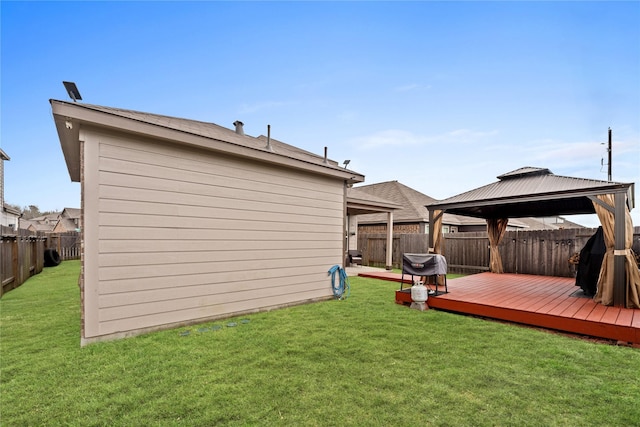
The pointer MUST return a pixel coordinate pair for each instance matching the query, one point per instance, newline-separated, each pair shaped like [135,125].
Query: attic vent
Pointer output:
[238,124]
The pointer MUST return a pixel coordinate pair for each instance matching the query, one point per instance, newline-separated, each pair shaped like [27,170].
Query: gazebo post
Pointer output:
[389,260]
[619,274]
[431,236]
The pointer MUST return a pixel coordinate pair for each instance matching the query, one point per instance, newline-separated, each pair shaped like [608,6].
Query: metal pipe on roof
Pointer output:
[269,147]
[238,124]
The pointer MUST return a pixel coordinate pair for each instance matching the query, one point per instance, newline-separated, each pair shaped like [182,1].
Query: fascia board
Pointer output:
[69,135]
[371,207]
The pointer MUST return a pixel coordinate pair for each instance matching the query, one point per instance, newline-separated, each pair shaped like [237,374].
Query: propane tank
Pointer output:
[419,292]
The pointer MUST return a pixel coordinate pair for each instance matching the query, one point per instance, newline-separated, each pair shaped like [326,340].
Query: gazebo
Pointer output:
[537,192]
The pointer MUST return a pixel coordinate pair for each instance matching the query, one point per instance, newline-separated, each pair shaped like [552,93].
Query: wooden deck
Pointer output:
[541,301]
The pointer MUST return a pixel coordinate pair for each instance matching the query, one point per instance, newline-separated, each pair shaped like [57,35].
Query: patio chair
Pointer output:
[355,257]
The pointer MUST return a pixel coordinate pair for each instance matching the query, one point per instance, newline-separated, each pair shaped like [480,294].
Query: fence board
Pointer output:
[22,253]
[66,243]
[537,252]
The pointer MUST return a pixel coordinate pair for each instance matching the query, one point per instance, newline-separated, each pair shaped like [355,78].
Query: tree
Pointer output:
[32,211]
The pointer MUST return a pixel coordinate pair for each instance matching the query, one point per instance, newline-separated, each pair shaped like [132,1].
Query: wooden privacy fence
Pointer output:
[22,253]
[67,244]
[21,256]
[539,252]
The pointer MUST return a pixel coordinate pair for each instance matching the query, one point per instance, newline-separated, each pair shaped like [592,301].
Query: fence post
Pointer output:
[15,261]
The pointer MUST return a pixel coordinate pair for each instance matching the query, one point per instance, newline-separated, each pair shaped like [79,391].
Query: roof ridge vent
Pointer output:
[525,171]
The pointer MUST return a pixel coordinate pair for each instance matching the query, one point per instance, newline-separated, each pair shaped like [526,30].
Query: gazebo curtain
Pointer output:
[496,228]
[436,229]
[604,293]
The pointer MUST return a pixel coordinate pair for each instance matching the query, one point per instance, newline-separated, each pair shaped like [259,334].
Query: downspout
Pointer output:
[345,225]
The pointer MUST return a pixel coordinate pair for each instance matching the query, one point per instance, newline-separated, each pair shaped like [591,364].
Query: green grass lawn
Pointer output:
[364,361]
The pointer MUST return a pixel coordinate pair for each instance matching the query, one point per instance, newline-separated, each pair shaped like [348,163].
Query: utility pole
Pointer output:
[609,152]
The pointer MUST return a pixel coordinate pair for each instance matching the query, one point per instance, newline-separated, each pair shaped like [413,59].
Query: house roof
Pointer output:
[43,218]
[71,116]
[549,223]
[411,201]
[11,211]
[3,155]
[70,213]
[412,205]
[67,224]
[36,226]
[530,191]
[361,203]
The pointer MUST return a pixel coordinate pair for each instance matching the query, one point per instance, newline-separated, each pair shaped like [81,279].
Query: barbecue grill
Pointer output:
[425,265]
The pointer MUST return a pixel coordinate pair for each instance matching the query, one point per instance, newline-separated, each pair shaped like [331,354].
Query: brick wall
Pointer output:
[382,228]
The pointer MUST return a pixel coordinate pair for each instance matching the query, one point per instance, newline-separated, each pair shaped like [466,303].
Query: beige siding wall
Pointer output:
[183,235]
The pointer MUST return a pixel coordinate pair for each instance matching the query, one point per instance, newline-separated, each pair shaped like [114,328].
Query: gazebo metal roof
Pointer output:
[530,191]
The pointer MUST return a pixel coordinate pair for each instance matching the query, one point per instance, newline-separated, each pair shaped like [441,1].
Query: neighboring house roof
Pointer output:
[43,219]
[36,226]
[549,223]
[70,116]
[412,202]
[70,213]
[532,192]
[25,223]
[66,224]
[11,211]
[3,155]
[413,206]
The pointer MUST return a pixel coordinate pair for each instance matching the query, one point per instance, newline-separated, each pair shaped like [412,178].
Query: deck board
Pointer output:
[540,301]
[576,305]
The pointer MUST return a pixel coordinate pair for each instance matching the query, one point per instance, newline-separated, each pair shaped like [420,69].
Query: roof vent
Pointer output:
[269,147]
[238,124]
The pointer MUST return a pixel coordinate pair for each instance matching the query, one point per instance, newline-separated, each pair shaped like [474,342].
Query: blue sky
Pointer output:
[441,96]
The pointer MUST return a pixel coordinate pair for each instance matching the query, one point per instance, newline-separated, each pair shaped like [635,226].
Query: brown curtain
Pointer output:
[436,229]
[604,294]
[496,228]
